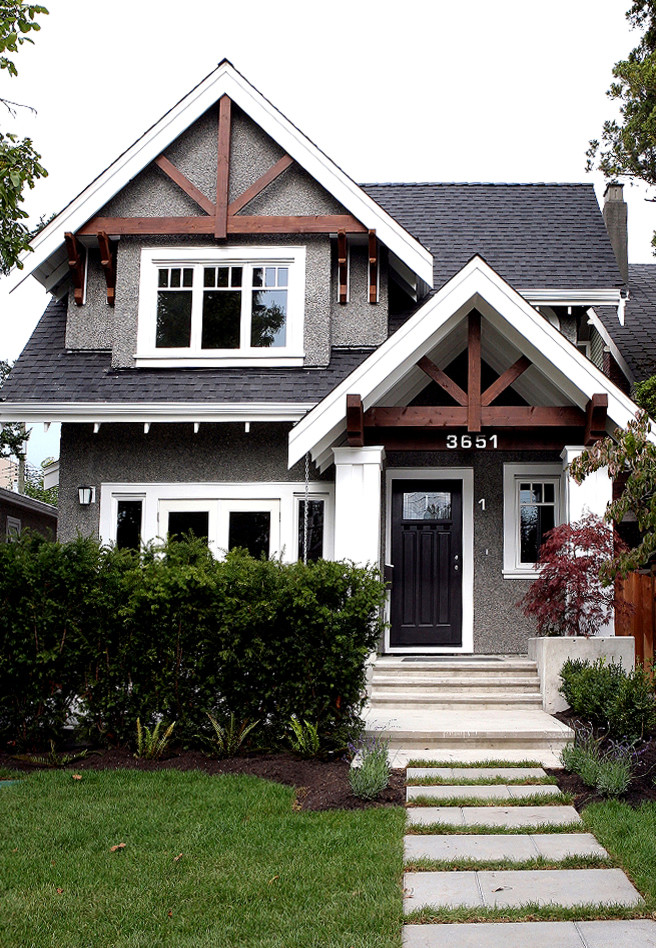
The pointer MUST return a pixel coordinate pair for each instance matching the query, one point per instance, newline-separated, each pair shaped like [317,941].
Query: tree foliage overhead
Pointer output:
[20,164]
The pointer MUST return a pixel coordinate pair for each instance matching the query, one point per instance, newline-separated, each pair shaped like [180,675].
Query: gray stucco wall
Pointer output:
[499,625]
[168,453]
[359,322]
[91,326]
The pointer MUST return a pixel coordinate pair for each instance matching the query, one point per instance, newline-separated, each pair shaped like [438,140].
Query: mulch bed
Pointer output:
[641,790]
[319,784]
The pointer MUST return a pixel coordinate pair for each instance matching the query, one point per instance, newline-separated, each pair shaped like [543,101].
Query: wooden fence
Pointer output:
[638,617]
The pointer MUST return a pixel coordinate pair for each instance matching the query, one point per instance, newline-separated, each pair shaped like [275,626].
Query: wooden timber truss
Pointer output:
[220,219]
[514,426]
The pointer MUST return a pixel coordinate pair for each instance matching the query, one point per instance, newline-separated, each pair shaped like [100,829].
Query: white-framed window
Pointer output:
[13,528]
[317,527]
[264,518]
[221,306]
[532,505]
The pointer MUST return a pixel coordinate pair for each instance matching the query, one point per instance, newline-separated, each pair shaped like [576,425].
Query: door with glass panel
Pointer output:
[426,595]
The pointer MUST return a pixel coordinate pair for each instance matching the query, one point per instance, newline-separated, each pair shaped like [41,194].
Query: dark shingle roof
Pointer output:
[46,371]
[636,339]
[533,235]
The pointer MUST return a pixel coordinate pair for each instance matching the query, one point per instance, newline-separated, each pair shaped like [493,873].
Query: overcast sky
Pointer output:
[508,90]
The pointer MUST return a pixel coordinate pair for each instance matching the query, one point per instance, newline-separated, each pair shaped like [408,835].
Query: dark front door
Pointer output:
[426,602]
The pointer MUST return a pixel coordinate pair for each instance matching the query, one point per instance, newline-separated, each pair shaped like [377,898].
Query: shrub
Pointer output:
[568,596]
[372,776]
[610,772]
[610,697]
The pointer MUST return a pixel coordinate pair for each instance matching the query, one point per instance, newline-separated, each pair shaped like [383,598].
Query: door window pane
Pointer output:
[128,524]
[427,505]
[184,522]
[314,530]
[250,530]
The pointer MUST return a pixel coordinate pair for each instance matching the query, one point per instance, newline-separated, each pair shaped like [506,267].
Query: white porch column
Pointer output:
[591,496]
[358,492]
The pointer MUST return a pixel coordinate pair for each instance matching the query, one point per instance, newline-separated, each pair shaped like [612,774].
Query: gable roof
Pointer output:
[46,257]
[51,383]
[533,235]
[636,339]
[476,286]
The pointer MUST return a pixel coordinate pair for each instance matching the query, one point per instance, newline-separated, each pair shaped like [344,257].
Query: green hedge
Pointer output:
[609,697]
[174,632]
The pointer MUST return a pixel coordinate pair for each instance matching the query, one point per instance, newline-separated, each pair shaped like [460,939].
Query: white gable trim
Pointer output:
[106,412]
[478,286]
[225,80]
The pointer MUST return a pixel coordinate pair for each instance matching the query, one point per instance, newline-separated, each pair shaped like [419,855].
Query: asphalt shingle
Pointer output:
[636,339]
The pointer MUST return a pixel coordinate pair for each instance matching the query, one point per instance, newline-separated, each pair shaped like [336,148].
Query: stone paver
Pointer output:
[511,817]
[638,933]
[475,773]
[452,756]
[513,848]
[481,792]
[510,888]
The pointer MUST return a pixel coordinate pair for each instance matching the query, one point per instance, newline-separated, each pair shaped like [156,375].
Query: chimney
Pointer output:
[615,217]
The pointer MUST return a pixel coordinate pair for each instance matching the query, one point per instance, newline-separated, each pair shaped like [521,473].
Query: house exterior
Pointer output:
[245,343]
[19,512]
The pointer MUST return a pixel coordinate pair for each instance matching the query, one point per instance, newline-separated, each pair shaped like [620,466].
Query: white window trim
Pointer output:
[14,526]
[512,474]
[148,356]
[466,475]
[221,497]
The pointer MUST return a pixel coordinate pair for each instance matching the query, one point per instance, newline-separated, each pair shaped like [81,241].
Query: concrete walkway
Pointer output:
[438,888]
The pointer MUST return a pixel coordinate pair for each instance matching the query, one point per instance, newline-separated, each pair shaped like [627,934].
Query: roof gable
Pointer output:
[225,80]
[477,286]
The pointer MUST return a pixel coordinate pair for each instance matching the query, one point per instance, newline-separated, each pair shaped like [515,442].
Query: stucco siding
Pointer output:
[359,322]
[90,326]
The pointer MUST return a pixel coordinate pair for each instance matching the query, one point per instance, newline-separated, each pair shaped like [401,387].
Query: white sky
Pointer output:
[507,90]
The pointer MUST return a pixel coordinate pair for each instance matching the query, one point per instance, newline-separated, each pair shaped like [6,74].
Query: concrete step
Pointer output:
[493,792]
[508,817]
[384,681]
[474,773]
[428,700]
[511,847]
[437,670]
[512,888]
[634,933]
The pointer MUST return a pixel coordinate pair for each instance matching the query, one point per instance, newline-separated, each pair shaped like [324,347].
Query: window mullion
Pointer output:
[246,307]
[197,309]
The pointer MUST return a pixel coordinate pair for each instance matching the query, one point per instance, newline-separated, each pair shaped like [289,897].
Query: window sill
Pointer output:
[154,360]
[521,573]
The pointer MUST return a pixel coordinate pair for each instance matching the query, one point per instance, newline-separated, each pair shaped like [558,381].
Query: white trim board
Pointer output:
[224,80]
[476,286]
[466,475]
[110,412]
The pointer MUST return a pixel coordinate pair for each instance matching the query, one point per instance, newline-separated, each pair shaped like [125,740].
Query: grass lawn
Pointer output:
[253,871]
[629,835]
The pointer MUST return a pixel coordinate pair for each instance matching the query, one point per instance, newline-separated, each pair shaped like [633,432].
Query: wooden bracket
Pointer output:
[264,181]
[342,266]
[596,412]
[474,373]
[77,256]
[505,380]
[443,380]
[373,267]
[108,263]
[354,421]
[223,168]
[185,184]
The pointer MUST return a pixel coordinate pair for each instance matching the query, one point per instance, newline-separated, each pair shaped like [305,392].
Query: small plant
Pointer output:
[610,697]
[228,739]
[150,746]
[610,772]
[51,759]
[568,597]
[372,776]
[304,737]
[614,776]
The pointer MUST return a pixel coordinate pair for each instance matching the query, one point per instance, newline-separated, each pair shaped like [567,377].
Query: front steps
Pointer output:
[436,703]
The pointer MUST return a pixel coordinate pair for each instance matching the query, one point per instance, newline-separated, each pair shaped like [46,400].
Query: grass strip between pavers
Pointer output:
[531,912]
[451,764]
[457,829]
[529,799]
[629,835]
[479,781]
[475,865]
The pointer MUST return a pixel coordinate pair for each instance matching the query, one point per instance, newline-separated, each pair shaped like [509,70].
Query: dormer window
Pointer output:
[221,306]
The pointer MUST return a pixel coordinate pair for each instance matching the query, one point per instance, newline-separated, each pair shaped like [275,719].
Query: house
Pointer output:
[245,343]
[19,512]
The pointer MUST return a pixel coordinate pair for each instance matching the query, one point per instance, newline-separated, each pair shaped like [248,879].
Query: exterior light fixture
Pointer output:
[86,495]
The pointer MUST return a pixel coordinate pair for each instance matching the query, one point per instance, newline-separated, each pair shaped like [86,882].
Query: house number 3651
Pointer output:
[471,441]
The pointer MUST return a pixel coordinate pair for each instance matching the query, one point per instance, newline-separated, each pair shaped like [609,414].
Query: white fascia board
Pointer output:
[548,296]
[614,351]
[476,286]
[105,413]
[225,80]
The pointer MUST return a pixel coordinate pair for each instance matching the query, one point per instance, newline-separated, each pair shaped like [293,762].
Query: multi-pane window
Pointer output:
[537,515]
[231,306]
